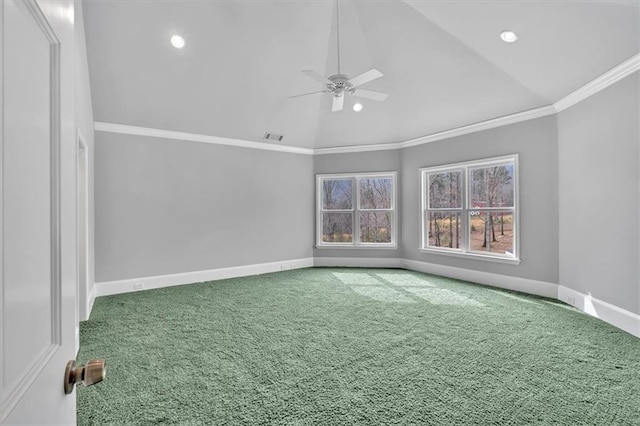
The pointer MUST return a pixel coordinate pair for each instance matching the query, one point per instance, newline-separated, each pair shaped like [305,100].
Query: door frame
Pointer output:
[82,208]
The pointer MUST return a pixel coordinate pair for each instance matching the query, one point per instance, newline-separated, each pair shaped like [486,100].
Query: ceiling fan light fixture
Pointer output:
[357,107]
[177,41]
[509,36]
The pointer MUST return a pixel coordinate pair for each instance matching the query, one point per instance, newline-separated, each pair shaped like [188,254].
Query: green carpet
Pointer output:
[337,346]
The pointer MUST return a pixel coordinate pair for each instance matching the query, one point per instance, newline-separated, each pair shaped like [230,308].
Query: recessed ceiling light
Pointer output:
[357,107]
[508,36]
[177,41]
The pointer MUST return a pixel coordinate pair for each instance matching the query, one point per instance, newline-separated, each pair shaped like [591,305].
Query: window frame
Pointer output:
[356,210]
[465,250]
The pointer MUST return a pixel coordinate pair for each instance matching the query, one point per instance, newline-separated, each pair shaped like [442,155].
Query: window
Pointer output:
[356,210]
[470,209]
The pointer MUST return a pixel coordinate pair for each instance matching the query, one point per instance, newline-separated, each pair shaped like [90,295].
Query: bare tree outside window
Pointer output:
[492,187]
[375,214]
[337,220]
[445,197]
[337,227]
[337,194]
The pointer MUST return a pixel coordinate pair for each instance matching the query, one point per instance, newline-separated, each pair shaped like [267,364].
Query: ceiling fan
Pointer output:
[340,84]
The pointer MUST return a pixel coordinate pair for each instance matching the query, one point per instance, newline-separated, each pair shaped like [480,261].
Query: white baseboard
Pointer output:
[146,283]
[524,285]
[358,262]
[618,317]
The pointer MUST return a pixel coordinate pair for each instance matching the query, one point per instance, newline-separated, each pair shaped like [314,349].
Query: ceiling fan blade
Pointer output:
[365,77]
[316,76]
[338,102]
[370,94]
[306,94]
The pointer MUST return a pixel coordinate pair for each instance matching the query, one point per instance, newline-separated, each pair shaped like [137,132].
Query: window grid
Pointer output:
[467,210]
[356,210]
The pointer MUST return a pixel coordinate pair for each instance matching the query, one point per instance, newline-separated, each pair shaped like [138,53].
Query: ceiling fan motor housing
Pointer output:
[340,84]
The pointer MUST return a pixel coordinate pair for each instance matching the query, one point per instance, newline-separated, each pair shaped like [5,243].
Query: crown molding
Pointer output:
[100,126]
[482,125]
[459,131]
[357,148]
[612,76]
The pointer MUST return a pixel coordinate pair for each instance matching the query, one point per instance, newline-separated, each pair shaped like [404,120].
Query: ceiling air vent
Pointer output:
[272,137]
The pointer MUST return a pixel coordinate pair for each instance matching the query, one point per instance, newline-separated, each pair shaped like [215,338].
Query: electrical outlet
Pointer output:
[138,286]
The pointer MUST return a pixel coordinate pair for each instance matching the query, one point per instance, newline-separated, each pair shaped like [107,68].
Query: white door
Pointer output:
[38,214]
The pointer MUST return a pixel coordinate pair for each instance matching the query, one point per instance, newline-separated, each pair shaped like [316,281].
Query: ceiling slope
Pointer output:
[444,65]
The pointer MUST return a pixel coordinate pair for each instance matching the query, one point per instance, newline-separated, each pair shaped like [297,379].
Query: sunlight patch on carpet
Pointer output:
[383,294]
[441,296]
[405,280]
[356,278]
[402,288]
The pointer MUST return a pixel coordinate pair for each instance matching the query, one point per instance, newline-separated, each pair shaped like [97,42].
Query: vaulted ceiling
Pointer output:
[444,63]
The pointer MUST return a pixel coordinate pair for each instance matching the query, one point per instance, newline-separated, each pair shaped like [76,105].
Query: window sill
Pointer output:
[472,256]
[361,246]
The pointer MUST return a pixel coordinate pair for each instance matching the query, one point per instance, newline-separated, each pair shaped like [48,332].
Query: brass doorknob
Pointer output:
[93,372]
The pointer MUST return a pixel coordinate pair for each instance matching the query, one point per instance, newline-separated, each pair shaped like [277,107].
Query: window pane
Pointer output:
[443,229]
[492,232]
[375,193]
[445,190]
[336,194]
[337,227]
[491,186]
[375,227]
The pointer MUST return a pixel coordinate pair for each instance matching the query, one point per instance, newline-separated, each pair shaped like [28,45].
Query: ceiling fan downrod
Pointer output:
[339,84]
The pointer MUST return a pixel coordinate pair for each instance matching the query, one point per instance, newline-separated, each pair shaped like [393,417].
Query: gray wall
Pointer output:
[536,143]
[166,206]
[360,162]
[599,195]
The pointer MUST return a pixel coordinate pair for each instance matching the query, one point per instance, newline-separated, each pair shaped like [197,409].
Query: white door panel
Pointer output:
[26,195]
[38,212]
